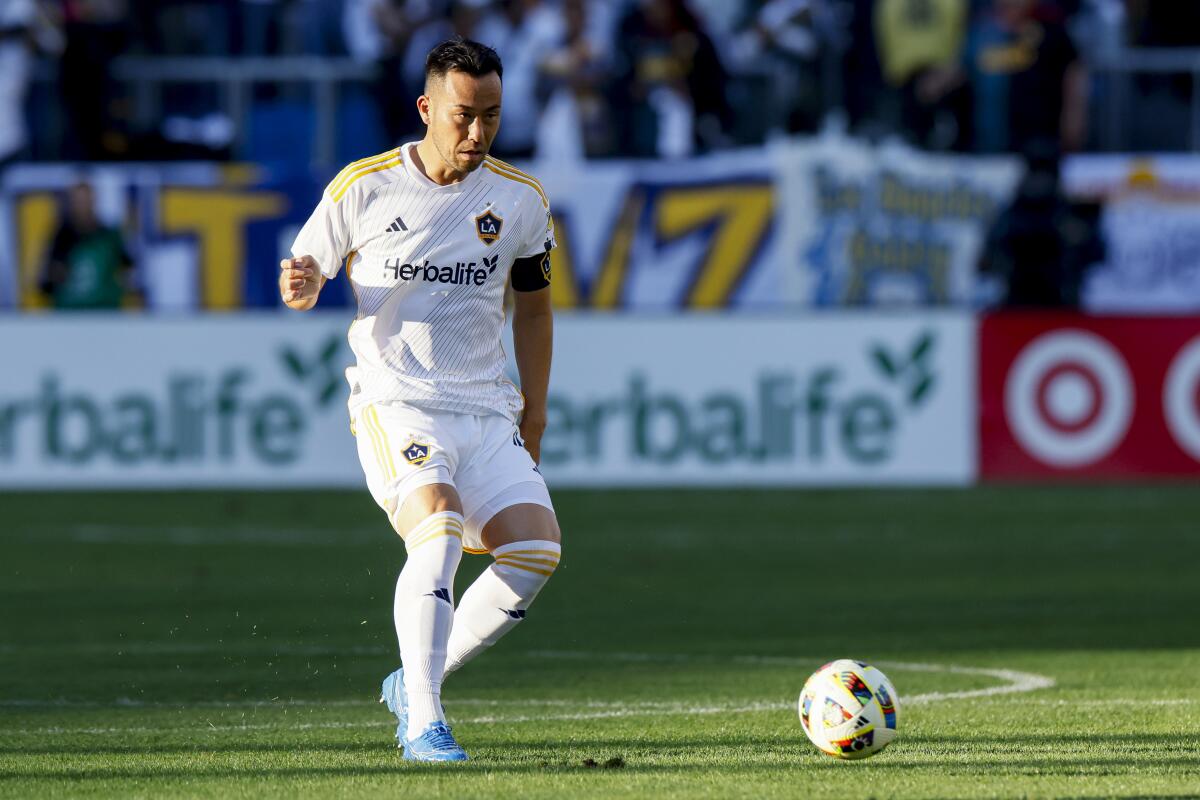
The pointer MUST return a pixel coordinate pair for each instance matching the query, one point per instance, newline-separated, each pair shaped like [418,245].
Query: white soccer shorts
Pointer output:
[403,448]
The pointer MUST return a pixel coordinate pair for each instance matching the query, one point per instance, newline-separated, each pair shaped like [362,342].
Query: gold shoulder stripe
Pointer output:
[348,171]
[510,168]
[362,162]
[519,179]
[394,161]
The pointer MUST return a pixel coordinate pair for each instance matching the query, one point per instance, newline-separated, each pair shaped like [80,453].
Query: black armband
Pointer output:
[531,274]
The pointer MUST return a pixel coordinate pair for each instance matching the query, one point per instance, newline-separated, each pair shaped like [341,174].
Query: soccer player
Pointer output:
[431,234]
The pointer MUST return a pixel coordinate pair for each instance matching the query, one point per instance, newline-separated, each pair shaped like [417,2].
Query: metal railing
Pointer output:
[237,78]
[1124,66]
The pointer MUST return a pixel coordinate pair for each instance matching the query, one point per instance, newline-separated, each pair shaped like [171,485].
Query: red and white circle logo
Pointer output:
[1069,398]
[1181,398]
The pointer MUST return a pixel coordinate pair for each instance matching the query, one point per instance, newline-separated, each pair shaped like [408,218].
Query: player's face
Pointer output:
[463,114]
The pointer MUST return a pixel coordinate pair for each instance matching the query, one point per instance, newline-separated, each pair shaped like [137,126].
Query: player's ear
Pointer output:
[423,108]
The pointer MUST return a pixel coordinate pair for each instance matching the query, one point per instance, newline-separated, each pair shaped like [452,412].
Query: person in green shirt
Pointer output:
[88,266]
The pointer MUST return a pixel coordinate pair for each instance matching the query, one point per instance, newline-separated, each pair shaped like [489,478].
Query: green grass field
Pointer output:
[1044,642]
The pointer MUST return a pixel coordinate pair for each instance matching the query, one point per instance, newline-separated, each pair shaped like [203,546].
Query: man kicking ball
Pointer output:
[431,234]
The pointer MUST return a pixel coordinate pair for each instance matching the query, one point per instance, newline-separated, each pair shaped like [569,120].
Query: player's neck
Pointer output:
[433,167]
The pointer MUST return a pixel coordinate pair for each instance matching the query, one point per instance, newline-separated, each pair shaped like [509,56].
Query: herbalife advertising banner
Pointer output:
[122,400]
[259,400]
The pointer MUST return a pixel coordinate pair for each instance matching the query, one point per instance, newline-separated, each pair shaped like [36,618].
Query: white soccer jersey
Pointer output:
[429,265]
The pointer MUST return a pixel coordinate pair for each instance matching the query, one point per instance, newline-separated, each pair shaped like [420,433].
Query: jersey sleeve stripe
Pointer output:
[392,162]
[350,174]
[519,179]
[362,162]
[504,165]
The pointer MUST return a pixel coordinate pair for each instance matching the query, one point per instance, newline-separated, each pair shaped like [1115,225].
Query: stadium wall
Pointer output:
[713,399]
[706,399]
[802,224]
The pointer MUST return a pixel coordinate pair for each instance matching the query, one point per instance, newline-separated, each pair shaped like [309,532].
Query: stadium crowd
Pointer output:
[606,78]
[609,78]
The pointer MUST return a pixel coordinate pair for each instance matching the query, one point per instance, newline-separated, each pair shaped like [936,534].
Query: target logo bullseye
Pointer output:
[1069,399]
[1181,398]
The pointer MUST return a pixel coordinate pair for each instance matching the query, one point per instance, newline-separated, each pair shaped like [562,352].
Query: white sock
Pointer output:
[424,612]
[496,601]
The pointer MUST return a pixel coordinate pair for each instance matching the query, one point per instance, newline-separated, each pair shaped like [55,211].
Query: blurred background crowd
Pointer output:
[305,86]
[136,79]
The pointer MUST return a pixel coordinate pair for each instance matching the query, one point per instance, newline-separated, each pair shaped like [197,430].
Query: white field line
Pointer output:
[617,711]
[1014,682]
[124,702]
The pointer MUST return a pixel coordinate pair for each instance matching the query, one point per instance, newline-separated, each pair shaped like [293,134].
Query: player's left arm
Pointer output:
[533,343]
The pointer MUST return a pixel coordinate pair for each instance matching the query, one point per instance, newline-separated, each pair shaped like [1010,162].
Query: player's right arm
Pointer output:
[324,242]
[300,282]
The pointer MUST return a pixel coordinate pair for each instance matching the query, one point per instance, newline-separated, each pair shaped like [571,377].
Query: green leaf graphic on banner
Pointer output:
[918,393]
[320,372]
[884,361]
[914,371]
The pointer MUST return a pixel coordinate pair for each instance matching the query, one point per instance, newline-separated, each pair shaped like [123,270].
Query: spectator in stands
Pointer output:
[862,81]
[95,34]
[1163,119]
[1028,82]
[321,26]
[781,43]
[24,29]
[669,82]
[528,30]
[187,27]
[1164,23]
[479,20]
[1042,246]
[261,27]
[378,31]
[88,266]
[574,79]
[920,46]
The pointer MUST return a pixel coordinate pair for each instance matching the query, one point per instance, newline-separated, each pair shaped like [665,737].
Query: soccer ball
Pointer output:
[849,709]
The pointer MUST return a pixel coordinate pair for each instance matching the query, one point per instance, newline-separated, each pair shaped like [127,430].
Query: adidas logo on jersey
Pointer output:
[397,226]
[461,274]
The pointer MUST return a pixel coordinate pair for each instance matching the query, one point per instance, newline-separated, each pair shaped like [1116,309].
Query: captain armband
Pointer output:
[531,274]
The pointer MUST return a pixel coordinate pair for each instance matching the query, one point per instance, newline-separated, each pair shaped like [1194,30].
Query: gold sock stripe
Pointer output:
[343,176]
[548,562]
[553,553]
[392,162]
[436,522]
[494,167]
[546,572]
[389,466]
[411,545]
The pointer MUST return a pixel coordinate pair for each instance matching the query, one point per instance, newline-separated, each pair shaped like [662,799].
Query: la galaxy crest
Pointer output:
[416,453]
[488,225]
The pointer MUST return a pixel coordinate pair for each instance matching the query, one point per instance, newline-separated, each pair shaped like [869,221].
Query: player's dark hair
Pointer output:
[462,55]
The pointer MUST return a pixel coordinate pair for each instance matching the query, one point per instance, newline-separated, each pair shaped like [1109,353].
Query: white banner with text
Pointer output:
[258,400]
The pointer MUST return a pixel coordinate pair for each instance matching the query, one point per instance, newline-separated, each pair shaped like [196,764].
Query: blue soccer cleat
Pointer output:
[435,744]
[397,702]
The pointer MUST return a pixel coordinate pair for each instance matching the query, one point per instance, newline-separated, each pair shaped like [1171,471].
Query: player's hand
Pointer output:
[532,427]
[300,281]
